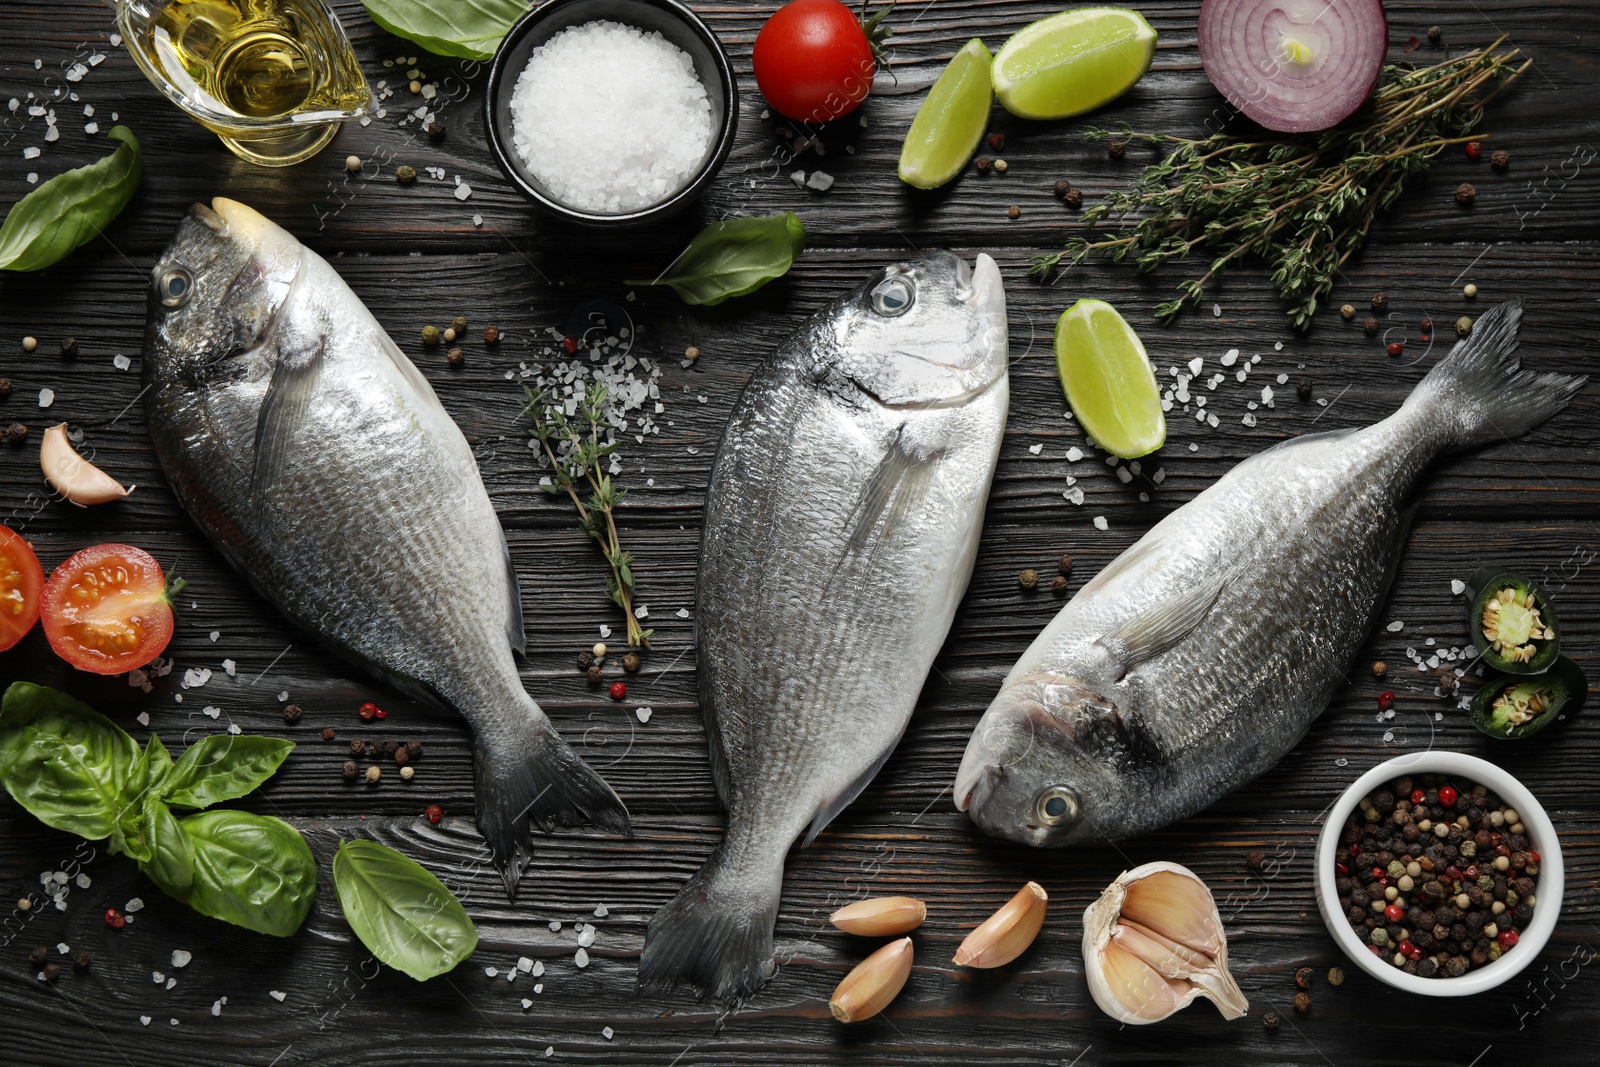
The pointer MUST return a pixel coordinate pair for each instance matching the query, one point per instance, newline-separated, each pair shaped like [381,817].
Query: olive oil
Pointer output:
[269,76]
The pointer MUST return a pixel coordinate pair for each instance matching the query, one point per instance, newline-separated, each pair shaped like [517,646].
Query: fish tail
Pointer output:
[716,934]
[542,781]
[1484,390]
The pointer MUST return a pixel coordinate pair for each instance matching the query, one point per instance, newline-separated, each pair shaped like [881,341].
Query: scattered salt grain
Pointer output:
[144,1020]
[586,938]
[610,118]
[143,718]
[820,181]
[279,995]
[644,714]
[492,972]
[1100,523]
[133,905]
[47,397]
[1396,626]
[1195,366]
[1283,379]
[1457,586]
[555,924]
[463,191]
[30,152]
[1277,346]
[581,958]
[1216,311]
[1230,357]
[526,1003]
[683,613]
[1074,495]
[181,957]
[1074,454]
[601,911]
[1123,476]
[608,1033]
[538,969]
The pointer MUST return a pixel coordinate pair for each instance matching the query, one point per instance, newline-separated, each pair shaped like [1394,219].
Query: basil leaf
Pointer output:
[130,837]
[407,917]
[66,763]
[171,860]
[470,29]
[223,767]
[254,871]
[71,208]
[732,258]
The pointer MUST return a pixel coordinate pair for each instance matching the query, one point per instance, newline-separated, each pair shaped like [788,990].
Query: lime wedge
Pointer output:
[1108,380]
[1073,62]
[950,122]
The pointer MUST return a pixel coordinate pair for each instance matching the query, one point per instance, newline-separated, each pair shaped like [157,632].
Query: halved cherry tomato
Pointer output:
[21,583]
[106,609]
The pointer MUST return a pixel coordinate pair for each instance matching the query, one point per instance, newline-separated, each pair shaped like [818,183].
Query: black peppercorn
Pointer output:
[1270,1020]
[390,747]
[1114,149]
[435,129]
[292,713]
[5,388]
[1380,301]
[1370,324]
[1255,859]
[38,955]
[1303,976]
[69,347]
[1064,564]
[81,961]
[1434,33]
[402,756]
[984,163]
[455,357]
[349,770]
[414,747]
[491,335]
[594,675]
[1074,198]
[997,141]
[1063,187]
[328,734]
[1500,160]
[585,660]
[1302,1002]
[16,433]
[1302,388]
[1058,584]
[51,972]
[1466,193]
[358,747]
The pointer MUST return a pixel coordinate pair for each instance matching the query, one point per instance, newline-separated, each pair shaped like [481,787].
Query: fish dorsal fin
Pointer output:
[831,807]
[283,409]
[1157,629]
[516,627]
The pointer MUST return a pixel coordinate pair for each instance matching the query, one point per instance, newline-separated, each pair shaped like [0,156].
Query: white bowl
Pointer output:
[1541,837]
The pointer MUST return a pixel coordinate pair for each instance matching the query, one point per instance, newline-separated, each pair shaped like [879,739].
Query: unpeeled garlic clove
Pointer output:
[1153,942]
[875,982]
[1006,934]
[74,477]
[880,916]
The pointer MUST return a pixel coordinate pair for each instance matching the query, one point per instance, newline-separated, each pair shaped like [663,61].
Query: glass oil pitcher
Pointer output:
[272,78]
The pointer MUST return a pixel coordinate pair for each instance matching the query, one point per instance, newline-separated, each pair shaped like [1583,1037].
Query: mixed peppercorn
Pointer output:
[1436,879]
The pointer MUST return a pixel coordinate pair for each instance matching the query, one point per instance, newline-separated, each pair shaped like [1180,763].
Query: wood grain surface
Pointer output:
[418,255]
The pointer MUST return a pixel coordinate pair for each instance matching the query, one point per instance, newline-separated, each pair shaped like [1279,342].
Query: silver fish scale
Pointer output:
[1305,536]
[813,655]
[378,536]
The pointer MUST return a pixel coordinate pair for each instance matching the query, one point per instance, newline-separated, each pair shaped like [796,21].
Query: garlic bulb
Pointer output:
[74,477]
[1153,942]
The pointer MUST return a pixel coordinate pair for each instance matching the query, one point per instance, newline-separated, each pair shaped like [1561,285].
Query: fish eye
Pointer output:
[174,286]
[893,296]
[1056,805]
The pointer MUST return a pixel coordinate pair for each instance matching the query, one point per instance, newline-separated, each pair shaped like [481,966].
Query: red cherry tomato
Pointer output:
[813,60]
[106,609]
[21,587]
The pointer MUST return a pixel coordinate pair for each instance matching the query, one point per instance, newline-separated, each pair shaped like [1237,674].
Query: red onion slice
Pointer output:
[1293,65]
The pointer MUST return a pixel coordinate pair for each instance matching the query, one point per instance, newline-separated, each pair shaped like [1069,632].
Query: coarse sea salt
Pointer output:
[610,118]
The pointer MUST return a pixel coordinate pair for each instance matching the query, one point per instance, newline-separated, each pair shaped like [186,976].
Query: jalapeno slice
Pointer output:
[1511,707]
[1513,623]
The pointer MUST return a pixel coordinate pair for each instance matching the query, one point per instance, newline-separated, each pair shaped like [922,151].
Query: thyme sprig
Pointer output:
[575,450]
[1303,203]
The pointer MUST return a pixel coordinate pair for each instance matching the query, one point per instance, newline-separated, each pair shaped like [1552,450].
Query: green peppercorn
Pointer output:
[630,662]
[1463,326]
[1347,311]
[459,325]
[1028,578]
[1335,976]
[430,335]
[405,174]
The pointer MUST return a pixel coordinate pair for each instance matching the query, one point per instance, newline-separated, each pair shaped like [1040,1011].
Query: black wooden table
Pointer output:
[419,255]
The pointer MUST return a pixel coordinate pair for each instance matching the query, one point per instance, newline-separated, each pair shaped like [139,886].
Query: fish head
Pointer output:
[1048,762]
[925,331]
[216,289]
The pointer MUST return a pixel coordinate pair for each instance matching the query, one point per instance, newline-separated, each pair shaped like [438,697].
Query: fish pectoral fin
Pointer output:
[1154,631]
[516,627]
[898,485]
[294,380]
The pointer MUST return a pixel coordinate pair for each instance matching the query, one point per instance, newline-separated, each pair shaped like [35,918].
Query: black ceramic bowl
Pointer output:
[674,22]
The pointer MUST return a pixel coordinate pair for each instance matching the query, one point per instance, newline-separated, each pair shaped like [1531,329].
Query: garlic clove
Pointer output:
[1154,942]
[1176,905]
[74,477]
[875,982]
[880,916]
[1006,934]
